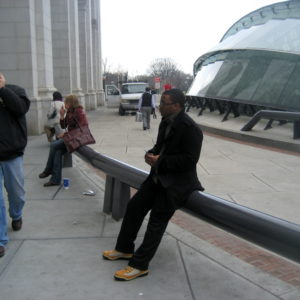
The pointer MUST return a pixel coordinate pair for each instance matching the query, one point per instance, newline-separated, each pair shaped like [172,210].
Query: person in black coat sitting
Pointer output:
[172,179]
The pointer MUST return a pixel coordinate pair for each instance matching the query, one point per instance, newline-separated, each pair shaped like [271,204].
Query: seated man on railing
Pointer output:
[172,179]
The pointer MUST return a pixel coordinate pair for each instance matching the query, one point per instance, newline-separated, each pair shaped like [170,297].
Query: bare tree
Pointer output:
[165,68]
[182,81]
[116,78]
[169,72]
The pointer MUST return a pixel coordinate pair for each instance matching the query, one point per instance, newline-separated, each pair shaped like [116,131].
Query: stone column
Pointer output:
[65,47]
[96,27]
[82,46]
[74,50]
[86,53]
[44,57]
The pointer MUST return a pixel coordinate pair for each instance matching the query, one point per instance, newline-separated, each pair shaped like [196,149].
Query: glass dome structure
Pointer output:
[256,62]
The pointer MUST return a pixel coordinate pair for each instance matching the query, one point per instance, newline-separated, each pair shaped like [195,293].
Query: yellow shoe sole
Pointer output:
[116,257]
[127,278]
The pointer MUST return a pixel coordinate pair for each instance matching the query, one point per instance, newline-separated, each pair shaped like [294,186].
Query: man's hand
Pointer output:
[151,159]
[2,81]
[62,112]
[60,136]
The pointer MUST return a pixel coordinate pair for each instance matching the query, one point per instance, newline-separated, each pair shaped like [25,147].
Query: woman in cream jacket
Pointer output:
[52,126]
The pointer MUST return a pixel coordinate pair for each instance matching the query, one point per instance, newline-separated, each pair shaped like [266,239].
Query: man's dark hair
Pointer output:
[147,89]
[57,96]
[176,96]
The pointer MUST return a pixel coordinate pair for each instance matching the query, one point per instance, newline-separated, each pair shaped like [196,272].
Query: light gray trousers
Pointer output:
[146,114]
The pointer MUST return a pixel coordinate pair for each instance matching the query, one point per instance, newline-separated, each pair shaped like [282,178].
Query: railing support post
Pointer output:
[116,197]
[121,196]
[296,134]
[108,195]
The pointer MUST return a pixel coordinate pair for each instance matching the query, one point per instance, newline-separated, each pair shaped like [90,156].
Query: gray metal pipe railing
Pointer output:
[268,231]
[275,115]
[125,173]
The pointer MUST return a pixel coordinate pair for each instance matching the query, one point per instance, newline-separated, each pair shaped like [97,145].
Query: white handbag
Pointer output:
[138,117]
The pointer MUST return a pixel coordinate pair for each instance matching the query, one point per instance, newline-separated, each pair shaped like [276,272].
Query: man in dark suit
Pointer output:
[172,179]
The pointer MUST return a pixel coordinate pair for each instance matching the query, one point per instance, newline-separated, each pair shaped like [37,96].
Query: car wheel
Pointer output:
[121,111]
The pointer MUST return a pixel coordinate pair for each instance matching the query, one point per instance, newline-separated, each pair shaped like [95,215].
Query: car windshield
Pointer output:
[133,88]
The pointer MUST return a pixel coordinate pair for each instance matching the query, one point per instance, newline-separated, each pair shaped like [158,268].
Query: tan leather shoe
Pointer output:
[114,255]
[129,273]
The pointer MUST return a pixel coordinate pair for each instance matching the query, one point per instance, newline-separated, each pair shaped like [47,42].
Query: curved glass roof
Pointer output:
[257,60]
[276,35]
[277,11]
[274,27]
[257,77]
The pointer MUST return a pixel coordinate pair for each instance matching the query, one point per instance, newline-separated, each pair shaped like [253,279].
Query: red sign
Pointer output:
[167,86]
[156,79]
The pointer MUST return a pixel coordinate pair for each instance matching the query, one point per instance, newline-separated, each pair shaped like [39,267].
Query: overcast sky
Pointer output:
[136,32]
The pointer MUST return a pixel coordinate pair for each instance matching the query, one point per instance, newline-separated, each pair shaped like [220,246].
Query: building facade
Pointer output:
[256,62]
[49,45]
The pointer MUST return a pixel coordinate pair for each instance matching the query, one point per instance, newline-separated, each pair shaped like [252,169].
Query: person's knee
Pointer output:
[132,205]
[55,146]
[161,215]
[136,204]
[52,146]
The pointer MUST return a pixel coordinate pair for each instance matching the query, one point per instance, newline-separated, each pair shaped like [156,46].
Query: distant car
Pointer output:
[128,97]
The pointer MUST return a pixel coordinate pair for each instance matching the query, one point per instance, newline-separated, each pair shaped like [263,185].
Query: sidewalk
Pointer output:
[57,254]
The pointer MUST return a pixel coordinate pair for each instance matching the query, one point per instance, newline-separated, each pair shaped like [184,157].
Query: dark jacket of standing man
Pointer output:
[14,104]
[172,179]
[146,106]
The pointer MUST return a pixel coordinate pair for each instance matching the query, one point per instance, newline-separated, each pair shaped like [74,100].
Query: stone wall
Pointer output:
[48,45]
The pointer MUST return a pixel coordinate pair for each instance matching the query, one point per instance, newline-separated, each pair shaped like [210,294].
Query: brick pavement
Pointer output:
[266,261]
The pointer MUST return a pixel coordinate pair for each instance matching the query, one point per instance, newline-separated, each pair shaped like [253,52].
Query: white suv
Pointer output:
[130,95]
[128,98]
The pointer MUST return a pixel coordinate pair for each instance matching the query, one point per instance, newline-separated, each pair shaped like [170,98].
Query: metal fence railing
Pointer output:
[268,231]
[275,115]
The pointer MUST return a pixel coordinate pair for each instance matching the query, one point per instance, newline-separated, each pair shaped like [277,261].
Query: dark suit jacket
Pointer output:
[176,167]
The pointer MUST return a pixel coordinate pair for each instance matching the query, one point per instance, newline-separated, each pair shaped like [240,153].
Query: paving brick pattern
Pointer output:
[273,264]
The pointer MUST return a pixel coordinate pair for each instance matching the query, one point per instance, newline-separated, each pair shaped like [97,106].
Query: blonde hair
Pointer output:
[73,101]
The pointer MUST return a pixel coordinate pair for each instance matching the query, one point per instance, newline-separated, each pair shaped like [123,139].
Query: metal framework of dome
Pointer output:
[256,62]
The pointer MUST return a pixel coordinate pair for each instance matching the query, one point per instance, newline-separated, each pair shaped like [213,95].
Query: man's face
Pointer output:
[2,80]
[167,107]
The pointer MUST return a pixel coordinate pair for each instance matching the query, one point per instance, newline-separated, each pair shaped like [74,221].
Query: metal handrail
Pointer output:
[275,115]
[268,231]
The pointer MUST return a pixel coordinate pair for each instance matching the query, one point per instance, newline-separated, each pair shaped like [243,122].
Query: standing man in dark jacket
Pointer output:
[146,107]
[172,179]
[14,104]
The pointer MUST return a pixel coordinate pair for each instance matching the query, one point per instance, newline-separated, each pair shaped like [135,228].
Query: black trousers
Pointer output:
[150,196]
